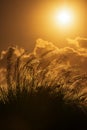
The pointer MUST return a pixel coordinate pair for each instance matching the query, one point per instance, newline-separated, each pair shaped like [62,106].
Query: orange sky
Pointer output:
[23,21]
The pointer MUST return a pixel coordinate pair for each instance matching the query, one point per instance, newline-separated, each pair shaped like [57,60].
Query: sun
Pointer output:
[63,17]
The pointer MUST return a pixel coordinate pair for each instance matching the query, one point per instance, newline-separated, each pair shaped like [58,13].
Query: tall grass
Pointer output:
[29,104]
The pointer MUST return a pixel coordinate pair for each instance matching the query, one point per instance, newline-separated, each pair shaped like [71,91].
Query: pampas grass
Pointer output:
[28,104]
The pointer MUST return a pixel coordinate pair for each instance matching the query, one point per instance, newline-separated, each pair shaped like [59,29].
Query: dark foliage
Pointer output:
[40,110]
[27,106]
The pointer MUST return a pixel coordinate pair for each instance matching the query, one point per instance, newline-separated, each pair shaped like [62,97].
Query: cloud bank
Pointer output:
[79,42]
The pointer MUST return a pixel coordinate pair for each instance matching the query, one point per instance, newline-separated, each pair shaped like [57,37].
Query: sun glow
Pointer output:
[63,17]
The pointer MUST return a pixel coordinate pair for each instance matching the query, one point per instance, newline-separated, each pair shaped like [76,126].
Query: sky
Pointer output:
[24,21]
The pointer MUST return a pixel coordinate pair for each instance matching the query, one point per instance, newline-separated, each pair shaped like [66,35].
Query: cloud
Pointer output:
[75,58]
[67,55]
[82,42]
[43,47]
[79,42]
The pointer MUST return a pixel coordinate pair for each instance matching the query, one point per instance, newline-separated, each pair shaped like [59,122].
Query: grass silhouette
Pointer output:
[39,110]
[26,105]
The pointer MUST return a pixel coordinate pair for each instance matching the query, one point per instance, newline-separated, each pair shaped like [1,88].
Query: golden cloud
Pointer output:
[78,42]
